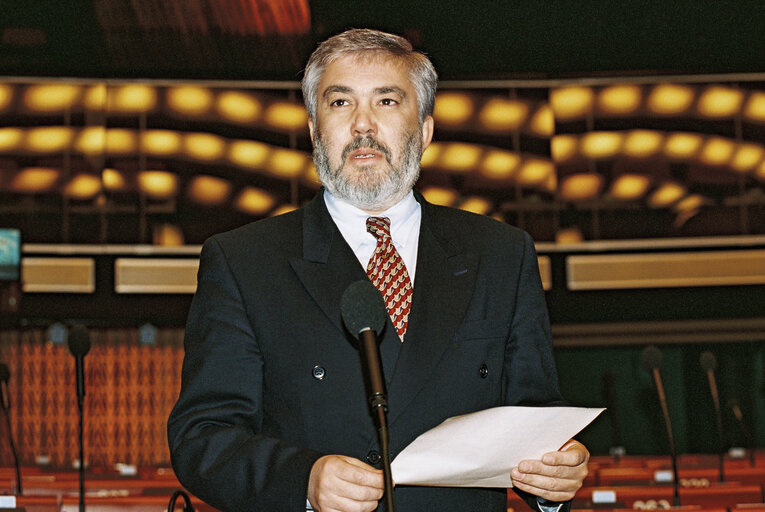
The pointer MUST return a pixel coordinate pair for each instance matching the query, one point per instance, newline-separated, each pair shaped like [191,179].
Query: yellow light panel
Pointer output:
[48,139]
[682,145]
[287,163]
[254,201]
[620,99]
[629,187]
[439,195]
[167,235]
[161,142]
[719,101]
[452,108]
[287,116]
[563,147]
[132,99]
[668,99]
[569,236]
[248,153]
[642,143]
[689,203]
[238,107]
[209,190]
[542,122]
[755,107]
[503,114]
[190,100]
[158,184]
[571,102]
[461,157]
[431,154]
[113,179]
[536,172]
[83,186]
[580,187]
[717,151]
[285,208]
[91,141]
[34,179]
[51,97]
[11,139]
[94,97]
[311,176]
[476,204]
[6,96]
[204,146]
[666,194]
[120,141]
[747,156]
[499,165]
[601,144]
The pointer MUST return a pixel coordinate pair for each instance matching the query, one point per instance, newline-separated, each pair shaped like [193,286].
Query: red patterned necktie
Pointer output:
[387,271]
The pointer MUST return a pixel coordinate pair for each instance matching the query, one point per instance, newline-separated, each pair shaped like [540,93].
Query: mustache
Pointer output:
[367,142]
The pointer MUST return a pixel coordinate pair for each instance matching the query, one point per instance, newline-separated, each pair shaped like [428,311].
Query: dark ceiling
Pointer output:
[479,39]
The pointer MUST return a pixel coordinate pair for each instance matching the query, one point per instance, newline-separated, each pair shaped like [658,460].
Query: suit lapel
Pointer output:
[444,283]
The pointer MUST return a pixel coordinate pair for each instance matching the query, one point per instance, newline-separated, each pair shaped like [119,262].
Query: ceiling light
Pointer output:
[536,172]
[287,163]
[83,186]
[580,187]
[461,157]
[209,190]
[475,204]
[11,139]
[248,153]
[254,201]
[746,157]
[620,99]
[689,203]
[94,97]
[431,154]
[190,100]
[628,187]
[158,184]
[666,194]
[51,97]
[563,147]
[755,107]
[452,108]
[503,114]
[121,141]
[113,179]
[571,102]
[601,144]
[6,96]
[34,179]
[160,142]
[204,146]
[719,101]
[287,116]
[238,107]
[668,99]
[642,143]
[91,141]
[49,139]
[132,99]
[498,164]
[542,122]
[439,195]
[717,151]
[681,145]
[285,208]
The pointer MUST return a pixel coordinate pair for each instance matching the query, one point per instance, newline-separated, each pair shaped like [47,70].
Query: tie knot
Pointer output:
[378,226]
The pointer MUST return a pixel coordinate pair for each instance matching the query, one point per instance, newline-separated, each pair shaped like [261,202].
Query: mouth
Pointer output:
[362,154]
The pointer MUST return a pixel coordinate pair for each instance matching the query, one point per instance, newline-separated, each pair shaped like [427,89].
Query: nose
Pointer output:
[364,122]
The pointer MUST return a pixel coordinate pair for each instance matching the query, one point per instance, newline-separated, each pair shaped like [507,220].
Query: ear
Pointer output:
[310,129]
[427,132]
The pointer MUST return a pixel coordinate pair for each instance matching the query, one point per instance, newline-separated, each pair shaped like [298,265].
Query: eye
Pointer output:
[340,102]
[388,102]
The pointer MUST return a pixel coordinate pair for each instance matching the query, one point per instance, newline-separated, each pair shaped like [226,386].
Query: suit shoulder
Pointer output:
[477,227]
[269,233]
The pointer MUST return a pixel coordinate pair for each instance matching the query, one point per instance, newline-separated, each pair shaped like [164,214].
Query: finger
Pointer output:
[356,472]
[573,453]
[551,488]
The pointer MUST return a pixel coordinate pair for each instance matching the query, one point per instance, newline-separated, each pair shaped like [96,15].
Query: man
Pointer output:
[272,410]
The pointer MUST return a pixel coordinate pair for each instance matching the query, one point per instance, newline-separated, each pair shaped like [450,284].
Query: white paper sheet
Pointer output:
[480,449]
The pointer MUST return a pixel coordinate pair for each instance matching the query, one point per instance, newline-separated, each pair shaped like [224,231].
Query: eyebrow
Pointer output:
[342,89]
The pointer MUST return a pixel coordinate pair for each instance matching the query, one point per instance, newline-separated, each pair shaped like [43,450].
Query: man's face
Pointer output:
[367,136]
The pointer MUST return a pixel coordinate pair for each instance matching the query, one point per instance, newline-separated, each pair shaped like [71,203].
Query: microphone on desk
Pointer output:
[709,365]
[364,315]
[5,375]
[79,346]
[652,361]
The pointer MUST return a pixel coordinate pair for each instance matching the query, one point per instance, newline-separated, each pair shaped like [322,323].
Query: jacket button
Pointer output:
[373,457]
[318,372]
[483,371]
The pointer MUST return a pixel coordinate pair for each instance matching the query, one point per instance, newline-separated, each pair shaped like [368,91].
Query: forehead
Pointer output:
[361,72]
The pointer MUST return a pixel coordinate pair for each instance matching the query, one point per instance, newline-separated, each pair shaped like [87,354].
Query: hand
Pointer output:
[557,476]
[344,484]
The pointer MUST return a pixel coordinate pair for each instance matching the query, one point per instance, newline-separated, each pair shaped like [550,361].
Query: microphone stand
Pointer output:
[82,453]
[668,423]
[379,404]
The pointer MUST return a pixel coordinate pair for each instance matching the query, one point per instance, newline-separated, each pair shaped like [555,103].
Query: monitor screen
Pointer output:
[10,254]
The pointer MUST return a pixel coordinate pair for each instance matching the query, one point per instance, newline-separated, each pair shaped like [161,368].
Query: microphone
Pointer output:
[5,375]
[364,315]
[79,346]
[652,361]
[709,365]
[736,409]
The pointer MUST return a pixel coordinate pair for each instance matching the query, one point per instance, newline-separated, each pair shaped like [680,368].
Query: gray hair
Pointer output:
[361,41]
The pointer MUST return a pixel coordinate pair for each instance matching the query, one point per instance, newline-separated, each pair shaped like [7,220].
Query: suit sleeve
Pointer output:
[530,377]
[214,431]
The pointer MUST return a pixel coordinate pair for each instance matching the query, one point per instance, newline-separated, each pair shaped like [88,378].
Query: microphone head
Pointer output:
[362,308]
[652,358]
[79,341]
[708,361]
[5,373]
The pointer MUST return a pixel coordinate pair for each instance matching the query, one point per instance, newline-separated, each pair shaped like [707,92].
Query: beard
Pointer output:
[370,189]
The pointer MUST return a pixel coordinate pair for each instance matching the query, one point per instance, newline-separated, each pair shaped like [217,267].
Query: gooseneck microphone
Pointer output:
[709,365]
[79,346]
[652,361]
[736,410]
[5,398]
[364,315]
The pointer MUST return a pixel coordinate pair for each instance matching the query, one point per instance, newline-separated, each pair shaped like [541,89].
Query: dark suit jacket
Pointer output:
[271,379]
